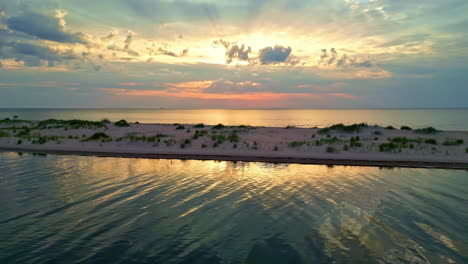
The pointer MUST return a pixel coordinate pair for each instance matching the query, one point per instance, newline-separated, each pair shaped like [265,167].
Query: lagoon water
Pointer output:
[74,209]
[444,119]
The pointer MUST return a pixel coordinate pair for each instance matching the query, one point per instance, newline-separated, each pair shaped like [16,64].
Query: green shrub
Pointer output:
[389,127]
[323,131]
[103,137]
[453,142]
[331,149]
[219,126]
[203,146]
[388,147]
[199,133]
[275,148]
[427,130]
[105,121]
[466,150]
[430,141]
[331,140]
[234,146]
[354,142]
[180,127]
[233,137]
[343,128]
[296,144]
[199,126]
[4,134]
[406,128]
[19,142]
[68,124]
[289,126]
[377,132]
[122,123]
[220,138]
[346,147]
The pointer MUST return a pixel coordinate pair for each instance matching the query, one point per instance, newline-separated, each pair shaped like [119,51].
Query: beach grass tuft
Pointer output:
[453,142]
[354,128]
[219,126]
[426,130]
[331,149]
[99,136]
[294,144]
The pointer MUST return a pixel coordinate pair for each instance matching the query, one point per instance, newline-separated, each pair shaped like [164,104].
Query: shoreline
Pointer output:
[246,158]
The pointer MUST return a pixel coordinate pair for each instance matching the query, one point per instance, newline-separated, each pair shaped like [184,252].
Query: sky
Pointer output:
[233,54]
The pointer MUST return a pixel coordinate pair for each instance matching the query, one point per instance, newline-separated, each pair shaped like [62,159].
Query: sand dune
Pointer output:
[358,144]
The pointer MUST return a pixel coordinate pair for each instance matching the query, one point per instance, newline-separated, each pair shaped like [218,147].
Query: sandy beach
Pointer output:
[358,144]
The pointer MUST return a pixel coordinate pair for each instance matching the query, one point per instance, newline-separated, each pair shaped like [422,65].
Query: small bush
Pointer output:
[233,137]
[453,142]
[346,147]
[296,144]
[388,147]
[389,127]
[180,127]
[427,130]
[466,150]
[377,133]
[105,121]
[122,123]
[19,142]
[99,136]
[331,149]
[199,133]
[289,126]
[199,126]
[275,148]
[219,126]
[343,128]
[406,128]
[430,141]
[234,146]
[4,134]
[204,146]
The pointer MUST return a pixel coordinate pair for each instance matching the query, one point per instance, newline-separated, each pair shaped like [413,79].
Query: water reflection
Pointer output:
[170,211]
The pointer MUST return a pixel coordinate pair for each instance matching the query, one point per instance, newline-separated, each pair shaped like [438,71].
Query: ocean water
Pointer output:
[75,209]
[444,119]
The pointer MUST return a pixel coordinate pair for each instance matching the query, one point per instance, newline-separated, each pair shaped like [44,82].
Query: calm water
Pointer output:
[445,119]
[72,209]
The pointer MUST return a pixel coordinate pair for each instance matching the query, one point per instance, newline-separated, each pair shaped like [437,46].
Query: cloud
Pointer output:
[278,54]
[32,54]
[164,50]
[242,53]
[407,40]
[234,52]
[332,59]
[45,27]
[128,40]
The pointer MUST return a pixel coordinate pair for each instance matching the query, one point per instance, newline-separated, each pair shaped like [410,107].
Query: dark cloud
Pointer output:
[44,27]
[32,54]
[164,50]
[332,59]
[128,40]
[234,51]
[278,54]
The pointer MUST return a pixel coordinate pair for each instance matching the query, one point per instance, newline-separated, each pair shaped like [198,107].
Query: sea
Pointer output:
[444,119]
[85,209]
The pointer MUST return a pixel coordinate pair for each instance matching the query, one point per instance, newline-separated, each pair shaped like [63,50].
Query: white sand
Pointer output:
[266,138]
